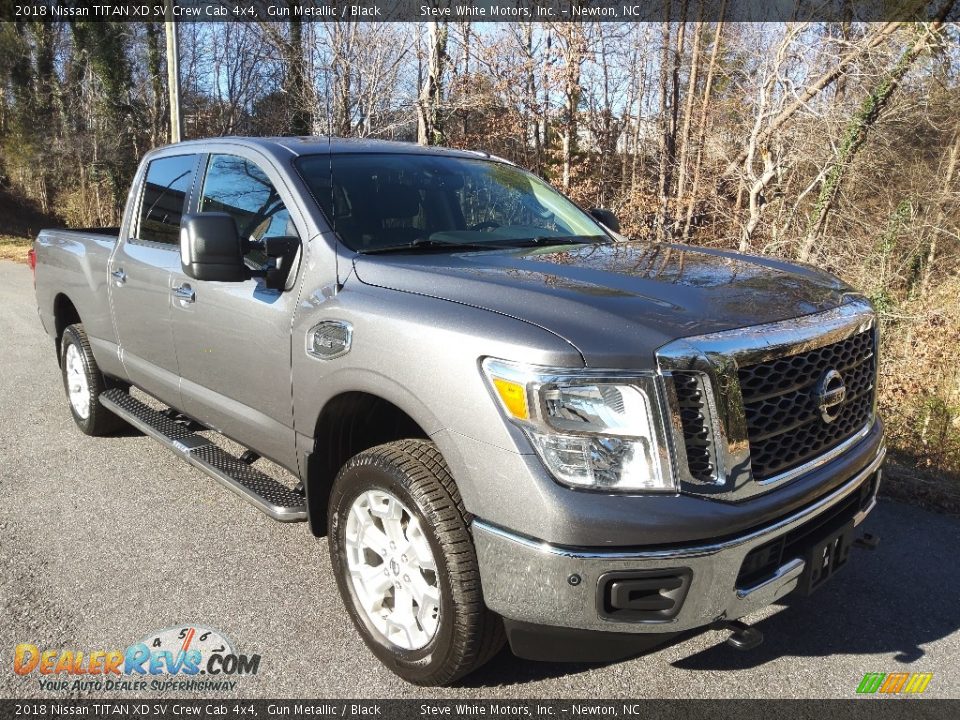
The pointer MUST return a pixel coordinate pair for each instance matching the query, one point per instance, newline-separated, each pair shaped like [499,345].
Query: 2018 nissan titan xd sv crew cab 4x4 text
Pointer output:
[510,422]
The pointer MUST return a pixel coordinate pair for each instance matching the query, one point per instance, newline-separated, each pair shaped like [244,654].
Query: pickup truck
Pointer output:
[512,423]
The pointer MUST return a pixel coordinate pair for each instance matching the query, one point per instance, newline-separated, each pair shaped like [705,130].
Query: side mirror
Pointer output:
[606,217]
[211,249]
[284,248]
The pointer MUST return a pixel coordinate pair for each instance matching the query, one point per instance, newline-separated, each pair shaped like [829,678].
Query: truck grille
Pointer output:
[784,423]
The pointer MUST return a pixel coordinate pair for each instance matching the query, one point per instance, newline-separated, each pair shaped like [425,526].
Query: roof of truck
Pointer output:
[320,145]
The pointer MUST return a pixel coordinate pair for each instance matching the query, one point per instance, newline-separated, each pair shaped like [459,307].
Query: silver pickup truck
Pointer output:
[511,423]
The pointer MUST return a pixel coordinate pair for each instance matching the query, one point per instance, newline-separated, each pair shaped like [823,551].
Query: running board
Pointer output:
[260,490]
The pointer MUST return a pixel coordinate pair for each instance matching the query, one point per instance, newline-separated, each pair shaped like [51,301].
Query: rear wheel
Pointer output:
[406,566]
[83,383]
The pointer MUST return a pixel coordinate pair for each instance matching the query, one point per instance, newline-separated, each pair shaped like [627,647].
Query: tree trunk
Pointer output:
[43,118]
[628,115]
[105,46]
[532,118]
[944,205]
[666,138]
[637,165]
[342,80]
[465,74]
[159,122]
[429,120]
[301,105]
[845,26]
[606,140]
[573,52]
[688,115]
[702,123]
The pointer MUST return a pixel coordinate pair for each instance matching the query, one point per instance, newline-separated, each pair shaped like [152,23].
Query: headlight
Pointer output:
[594,431]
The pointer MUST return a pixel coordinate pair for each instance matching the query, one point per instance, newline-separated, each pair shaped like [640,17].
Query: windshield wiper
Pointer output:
[422,244]
[558,240]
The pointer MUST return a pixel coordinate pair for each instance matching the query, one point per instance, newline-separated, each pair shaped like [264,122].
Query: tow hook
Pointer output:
[742,636]
[868,541]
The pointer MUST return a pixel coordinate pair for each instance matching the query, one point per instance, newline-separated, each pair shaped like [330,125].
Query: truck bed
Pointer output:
[72,268]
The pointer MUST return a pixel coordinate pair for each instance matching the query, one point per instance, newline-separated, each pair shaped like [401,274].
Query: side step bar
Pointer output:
[260,490]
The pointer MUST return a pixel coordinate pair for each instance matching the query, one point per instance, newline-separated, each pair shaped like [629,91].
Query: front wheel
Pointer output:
[406,566]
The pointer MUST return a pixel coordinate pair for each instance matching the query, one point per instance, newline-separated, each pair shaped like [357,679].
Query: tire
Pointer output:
[466,634]
[83,382]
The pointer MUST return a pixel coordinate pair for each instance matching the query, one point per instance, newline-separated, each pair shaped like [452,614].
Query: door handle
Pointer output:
[184,293]
[119,276]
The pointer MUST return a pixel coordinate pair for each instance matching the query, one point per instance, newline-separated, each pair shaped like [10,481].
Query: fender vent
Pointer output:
[697,433]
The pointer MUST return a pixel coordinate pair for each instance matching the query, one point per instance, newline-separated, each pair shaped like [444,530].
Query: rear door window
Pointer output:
[164,198]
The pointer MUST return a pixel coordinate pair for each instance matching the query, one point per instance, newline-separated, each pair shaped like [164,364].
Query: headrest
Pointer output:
[394,200]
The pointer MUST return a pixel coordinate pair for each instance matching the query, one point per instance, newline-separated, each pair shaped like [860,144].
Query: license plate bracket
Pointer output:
[825,557]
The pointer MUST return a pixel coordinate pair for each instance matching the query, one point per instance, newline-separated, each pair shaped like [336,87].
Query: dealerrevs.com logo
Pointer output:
[188,657]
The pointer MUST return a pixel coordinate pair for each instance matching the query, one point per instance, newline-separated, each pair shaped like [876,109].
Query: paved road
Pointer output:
[103,541]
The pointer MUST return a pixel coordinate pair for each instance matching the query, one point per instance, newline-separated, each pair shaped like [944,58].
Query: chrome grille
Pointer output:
[784,424]
[775,436]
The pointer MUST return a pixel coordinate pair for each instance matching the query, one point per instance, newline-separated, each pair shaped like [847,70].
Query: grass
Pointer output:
[14,248]
[932,490]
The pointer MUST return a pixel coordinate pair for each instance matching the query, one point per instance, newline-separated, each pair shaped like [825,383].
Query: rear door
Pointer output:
[233,338]
[141,273]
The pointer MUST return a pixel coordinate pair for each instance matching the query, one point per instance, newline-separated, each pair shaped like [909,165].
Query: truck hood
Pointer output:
[615,303]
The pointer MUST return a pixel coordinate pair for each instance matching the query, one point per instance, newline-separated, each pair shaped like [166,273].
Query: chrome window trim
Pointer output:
[718,356]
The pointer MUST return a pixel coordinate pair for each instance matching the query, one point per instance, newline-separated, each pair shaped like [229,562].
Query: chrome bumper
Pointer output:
[529,581]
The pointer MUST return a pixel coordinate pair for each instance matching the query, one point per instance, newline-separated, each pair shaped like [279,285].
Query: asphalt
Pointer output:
[105,540]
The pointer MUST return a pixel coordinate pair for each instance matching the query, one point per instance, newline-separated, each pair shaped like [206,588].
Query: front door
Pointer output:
[233,339]
[140,277]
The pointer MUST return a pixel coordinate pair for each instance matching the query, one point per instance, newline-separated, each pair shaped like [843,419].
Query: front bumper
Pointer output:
[540,584]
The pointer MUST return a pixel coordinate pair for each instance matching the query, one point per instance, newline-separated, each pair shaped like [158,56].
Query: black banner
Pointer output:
[478,10]
[223,709]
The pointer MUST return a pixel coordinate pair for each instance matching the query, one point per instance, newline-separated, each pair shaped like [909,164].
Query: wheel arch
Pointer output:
[65,314]
[349,423]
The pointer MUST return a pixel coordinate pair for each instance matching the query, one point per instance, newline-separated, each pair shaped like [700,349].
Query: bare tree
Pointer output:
[815,87]
[758,182]
[859,126]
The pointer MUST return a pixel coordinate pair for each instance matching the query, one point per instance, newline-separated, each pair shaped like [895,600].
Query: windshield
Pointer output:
[385,201]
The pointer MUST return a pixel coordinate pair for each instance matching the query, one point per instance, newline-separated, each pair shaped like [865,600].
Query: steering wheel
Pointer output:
[485,225]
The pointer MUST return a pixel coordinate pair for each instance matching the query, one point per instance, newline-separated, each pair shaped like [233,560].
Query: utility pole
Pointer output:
[173,72]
